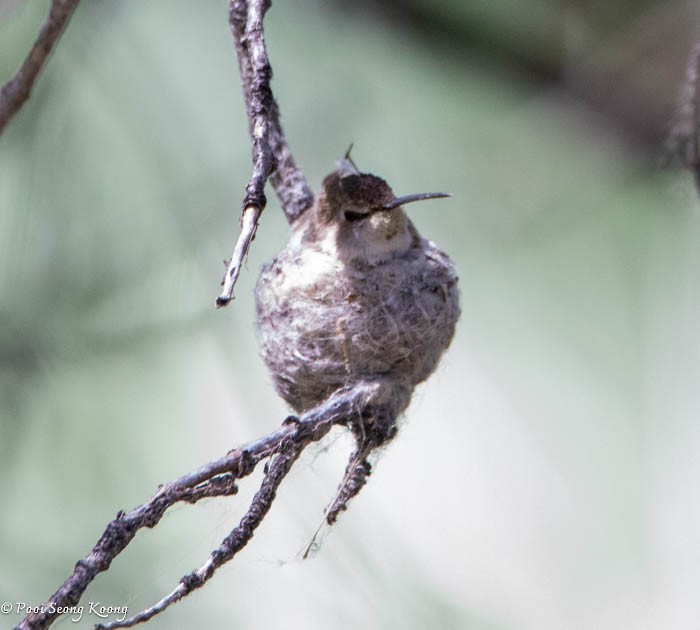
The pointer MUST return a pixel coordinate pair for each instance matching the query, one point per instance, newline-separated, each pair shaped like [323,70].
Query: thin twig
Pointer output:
[246,20]
[17,90]
[249,225]
[272,158]
[356,474]
[216,478]
[230,546]
[355,478]
[374,431]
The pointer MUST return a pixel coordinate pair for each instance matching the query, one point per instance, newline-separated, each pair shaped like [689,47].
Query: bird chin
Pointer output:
[382,249]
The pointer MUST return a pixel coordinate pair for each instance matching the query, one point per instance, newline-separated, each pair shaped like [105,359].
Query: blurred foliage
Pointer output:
[568,398]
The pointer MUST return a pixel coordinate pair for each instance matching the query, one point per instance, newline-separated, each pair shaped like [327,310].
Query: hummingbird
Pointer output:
[357,299]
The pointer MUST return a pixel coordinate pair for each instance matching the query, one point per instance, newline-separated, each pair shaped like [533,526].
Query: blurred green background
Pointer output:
[545,477]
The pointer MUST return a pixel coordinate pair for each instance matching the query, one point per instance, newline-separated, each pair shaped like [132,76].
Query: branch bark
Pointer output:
[217,478]
[272,157]
[17,90]
[232,544]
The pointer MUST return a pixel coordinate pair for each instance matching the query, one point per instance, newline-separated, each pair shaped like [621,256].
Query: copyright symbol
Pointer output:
[6,607]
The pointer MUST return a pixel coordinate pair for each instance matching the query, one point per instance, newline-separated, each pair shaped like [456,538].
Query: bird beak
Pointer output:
[400,201]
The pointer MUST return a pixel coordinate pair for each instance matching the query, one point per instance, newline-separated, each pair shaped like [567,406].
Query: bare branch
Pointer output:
[246,20]
[216,478]
[684,141]
[231,545]
[356,474]
[272,157]
[17,90]
[249,225]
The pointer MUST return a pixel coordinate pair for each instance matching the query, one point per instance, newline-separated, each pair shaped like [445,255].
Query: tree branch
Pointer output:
[216,478]
[356,474]
[272,158]
[231,545]
[17,90]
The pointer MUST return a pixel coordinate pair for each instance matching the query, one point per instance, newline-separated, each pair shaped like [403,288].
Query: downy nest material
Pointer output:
[386,323]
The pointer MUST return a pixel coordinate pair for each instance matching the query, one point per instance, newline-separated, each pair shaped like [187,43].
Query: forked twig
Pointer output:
[231,545]
[217,478]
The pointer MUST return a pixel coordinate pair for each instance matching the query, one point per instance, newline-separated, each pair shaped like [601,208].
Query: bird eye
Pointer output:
[355,216]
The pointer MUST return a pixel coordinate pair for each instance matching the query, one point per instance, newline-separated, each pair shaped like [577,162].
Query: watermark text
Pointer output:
[97,609]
